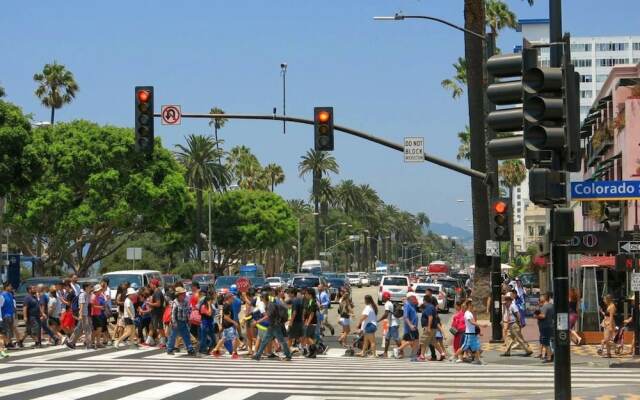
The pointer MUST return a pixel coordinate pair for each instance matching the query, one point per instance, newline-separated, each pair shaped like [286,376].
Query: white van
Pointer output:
[141,277]
[315,267]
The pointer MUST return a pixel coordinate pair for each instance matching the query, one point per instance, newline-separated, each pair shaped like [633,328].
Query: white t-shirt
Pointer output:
[1,304]
[371,316]
[129,309]
[468,326]
[54,307]
[388,306]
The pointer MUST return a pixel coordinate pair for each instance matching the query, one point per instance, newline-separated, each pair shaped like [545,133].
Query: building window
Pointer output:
[586,94]
[530,230]
[580,47]
[518,189]
[611,46]
[582,63]
[544,63]
[585,78]
[636,61]
[518,197]
[541,230]
[610,62]
[636,46]
[601,77]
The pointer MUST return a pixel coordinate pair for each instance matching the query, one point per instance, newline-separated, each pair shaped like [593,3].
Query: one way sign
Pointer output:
[629,246]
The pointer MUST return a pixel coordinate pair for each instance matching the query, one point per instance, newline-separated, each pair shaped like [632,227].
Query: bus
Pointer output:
[315,267]
[438,267]
[252,271]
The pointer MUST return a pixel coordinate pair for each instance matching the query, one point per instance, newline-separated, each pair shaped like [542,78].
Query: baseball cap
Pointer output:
[233,289]
[386,295]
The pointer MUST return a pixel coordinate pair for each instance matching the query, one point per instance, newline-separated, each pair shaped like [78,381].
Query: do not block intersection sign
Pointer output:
[413,149]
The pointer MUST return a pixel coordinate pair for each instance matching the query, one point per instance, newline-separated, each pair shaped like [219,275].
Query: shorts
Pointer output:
[310,331]
[345,322]
[411,336]
[33,327]
[120,321]
[6,327]
[370,328]
[54,321]
[428,338]
[393,333]
[545,336]
[156,321]
[99,322]
[230,333]
[471,342]
[296,330]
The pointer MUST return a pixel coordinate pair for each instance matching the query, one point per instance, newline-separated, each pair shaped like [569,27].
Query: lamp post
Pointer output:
[299,241]
[283,72]
[327,229]
[400,17]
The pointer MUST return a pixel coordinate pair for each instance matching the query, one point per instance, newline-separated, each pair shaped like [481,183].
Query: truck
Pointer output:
[438,267]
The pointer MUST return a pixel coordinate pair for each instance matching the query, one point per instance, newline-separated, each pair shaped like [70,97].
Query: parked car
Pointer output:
[223,283]
[258,283]
[355,279]
[141,277]
[396,285]
[276,282]
[336,285]
[364,277]
[453,290]
[21,291]
[170,279]
[438,292]
[203,278]
[374,279]
[92,280]
[304,281]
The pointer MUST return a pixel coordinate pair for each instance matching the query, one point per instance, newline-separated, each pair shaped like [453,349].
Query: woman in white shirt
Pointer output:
[129,316]
[368,325]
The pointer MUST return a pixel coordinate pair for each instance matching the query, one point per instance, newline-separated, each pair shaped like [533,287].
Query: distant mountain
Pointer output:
[450,230]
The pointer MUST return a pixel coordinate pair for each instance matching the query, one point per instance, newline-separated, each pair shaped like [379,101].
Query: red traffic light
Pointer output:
[143,96]
[323,116]
[500,207]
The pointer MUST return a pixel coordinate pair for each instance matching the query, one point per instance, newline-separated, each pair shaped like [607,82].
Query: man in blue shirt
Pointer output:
[32,318]
[8,311]
[429,322]
[324,300]
[410,317]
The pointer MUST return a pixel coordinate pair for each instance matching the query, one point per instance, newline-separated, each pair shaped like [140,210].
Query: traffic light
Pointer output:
[323,128]
[144,119]
[547,187]
[501,220]
[506,90]
[624,262]
[611,219]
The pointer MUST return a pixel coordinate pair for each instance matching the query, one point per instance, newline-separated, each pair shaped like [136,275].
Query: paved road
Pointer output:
[150,374]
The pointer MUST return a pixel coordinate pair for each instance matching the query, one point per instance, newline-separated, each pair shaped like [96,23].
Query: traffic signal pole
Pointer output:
[354,132]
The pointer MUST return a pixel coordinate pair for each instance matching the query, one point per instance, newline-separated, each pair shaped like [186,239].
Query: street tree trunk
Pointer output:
[474,20]
[316,217]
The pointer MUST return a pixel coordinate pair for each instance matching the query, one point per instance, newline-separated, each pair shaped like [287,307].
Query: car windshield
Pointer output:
[225,281]
[423,289]
[389,281]
[336,282]
[257,281]
[187,286]
[305,282]
[276,280]
[354,275]
[117,279]
[448,284]
[204,278]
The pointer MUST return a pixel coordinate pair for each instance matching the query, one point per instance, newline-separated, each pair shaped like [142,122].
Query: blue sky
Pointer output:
[381,77]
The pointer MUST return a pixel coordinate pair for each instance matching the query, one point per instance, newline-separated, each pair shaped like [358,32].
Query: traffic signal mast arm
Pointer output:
[396,146]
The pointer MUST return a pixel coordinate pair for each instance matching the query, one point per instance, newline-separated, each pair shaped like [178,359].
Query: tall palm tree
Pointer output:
[200,159]
[464,149]
[512,173]
[217,123]
[423,220]
[325,195]
[274,175]
[499,16]
[245,168]
[459,79]
[348,196]
[56,87]
[317,164]
[299,207]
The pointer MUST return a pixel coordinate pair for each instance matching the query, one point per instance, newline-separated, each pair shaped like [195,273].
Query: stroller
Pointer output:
[618,342]
[356,344]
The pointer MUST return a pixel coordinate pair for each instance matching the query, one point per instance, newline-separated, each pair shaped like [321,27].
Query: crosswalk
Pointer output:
[60,373]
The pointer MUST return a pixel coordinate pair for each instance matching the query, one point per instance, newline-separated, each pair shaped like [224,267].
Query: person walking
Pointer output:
[511,317]
[277,315]
[8,310]
[229,329]
[368,324]
[429,323]
[310,317]
[32,318]
[574,315]
[393,325]
[83,318]
[157,305]
[98,317]
[296,321]
[179,322]
[545,325]
[609,327]
[471,330]
[207,337]
[128,316]
[324,301]
[54,310]
[345,311]
[411,335]
[3,338]
[457,326]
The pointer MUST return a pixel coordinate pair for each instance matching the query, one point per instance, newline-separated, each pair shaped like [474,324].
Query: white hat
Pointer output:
[97,288]
[131,291]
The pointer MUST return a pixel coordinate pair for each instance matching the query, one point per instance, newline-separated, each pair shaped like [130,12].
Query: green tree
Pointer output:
[459,79]
[217,123]
[464,149]
[317,164]
[512,173]
[499,16]
[19,165]
[200,159]
[246,169]
[274,175]
[423,220]
[56,87]
[2,92]
[247,220]
[96,192]
[348,196]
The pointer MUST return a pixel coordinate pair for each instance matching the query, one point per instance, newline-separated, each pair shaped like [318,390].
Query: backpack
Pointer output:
[282,313]
[398,312]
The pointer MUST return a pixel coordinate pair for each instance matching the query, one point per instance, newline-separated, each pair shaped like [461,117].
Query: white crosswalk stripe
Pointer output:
[148,374]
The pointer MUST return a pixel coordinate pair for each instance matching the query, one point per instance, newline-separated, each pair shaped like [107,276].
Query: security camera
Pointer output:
[283,65]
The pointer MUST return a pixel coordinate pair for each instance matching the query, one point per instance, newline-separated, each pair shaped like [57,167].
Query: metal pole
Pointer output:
[298,266]
[284,95]
[209,235]
[555,32]
[636,300]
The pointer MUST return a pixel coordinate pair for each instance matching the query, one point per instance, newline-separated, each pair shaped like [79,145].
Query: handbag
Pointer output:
[166,315]
[453,331]
[195,318]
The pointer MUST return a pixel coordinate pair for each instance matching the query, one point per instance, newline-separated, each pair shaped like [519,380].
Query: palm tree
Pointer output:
[348,196]
[56,87]
[459,79]
[2,93]
[499,16]
[423,220]
[325,195]
[245,168]
[299,207]
[274,175]
[512,173]
[217,123]
[318,164]
[464,150]
[200,159]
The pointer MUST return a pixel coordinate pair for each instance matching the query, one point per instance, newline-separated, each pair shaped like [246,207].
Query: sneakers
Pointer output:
[272,356]
[333,332]
[414,359]
[287,358]
[215,353]
[192,353]
[4,354]
[476,362]
[171,353]
[71,345]
[528,353]
[396,352]
[235,356]
[421,358]
[459,361]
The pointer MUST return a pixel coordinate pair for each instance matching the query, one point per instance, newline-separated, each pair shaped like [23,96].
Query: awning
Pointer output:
[601,261]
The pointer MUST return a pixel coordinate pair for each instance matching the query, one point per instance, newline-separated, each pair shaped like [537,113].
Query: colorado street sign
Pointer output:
[605,190]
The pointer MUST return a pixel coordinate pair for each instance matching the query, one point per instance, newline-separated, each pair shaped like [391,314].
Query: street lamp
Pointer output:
[299,248]
[400,17]
[327,229]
